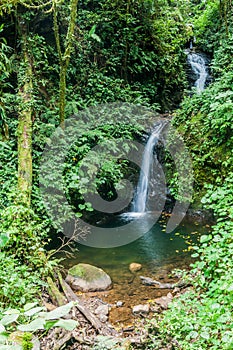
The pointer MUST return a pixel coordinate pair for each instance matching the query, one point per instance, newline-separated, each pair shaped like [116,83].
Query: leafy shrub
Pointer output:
[201,318]
[28,321]
[18,282]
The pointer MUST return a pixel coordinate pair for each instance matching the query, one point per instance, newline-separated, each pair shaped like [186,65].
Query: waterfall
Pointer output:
[198,65]
[141,195]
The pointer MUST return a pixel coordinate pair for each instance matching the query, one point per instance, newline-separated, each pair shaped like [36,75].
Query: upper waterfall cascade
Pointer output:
[198,65]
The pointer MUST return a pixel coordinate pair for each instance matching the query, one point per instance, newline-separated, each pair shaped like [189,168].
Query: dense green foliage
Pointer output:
[205,120]
[201,318]
[127,51]
[123,51]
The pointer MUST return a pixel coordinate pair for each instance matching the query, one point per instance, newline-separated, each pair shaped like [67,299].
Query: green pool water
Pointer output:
[155,250]
[158,252]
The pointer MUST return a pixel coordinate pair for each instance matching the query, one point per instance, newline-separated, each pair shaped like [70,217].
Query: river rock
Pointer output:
[141,309]
[164,301]
[134,267]
[102,310]
[88,278]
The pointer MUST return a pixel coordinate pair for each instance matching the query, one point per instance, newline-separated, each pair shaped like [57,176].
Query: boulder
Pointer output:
[134,267]
[141,309]
[88,278]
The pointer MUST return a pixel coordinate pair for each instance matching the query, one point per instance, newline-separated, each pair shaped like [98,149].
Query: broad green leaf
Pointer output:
[193,335]
[11,347]
[59,311]
[3,338]
[215,306]
[12,312]
[32,326]
[34,311]
[96,37]
[205,238]
[7,319]
[69,325]
[205,335]
[29,306]
[3,240]
[92,30]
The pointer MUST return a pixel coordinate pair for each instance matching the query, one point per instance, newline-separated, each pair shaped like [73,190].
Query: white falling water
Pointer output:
[140,199]
[198,66]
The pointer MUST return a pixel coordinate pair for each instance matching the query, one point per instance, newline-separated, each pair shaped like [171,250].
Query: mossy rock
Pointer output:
[88,278]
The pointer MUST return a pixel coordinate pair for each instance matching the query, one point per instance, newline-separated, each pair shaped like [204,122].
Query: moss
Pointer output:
[77,271]
[86,271]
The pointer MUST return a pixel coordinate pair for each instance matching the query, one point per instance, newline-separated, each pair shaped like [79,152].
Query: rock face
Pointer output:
[134,267]
[88,278]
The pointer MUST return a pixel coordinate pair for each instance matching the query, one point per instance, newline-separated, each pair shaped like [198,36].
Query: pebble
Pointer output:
[134,267]
[119,303]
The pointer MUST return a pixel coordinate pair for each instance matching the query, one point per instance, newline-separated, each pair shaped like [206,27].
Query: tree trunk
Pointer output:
[25,125]
[64,58]
[62,93]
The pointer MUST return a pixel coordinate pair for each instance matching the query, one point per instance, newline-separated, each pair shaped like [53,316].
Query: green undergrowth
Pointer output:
[201,318]
[204,121]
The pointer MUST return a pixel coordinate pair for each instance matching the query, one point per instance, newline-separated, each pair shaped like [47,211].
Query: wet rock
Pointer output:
[200,216]
[164,301]
[134,267]
[141,309]
[88,278]
[102,310]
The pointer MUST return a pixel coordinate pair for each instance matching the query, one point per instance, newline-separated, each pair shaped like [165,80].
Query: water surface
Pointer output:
[157,251]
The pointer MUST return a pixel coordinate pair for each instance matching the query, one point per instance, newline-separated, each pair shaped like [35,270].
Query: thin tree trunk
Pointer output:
[64,58]
[25,127]
[62,93]
[224,14]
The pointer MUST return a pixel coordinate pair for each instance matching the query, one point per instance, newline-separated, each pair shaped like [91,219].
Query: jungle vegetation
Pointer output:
[59,58]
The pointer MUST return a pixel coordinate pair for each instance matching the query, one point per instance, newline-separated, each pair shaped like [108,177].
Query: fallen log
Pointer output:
[150,282]
[71,296]
[55,294]
[61,342]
